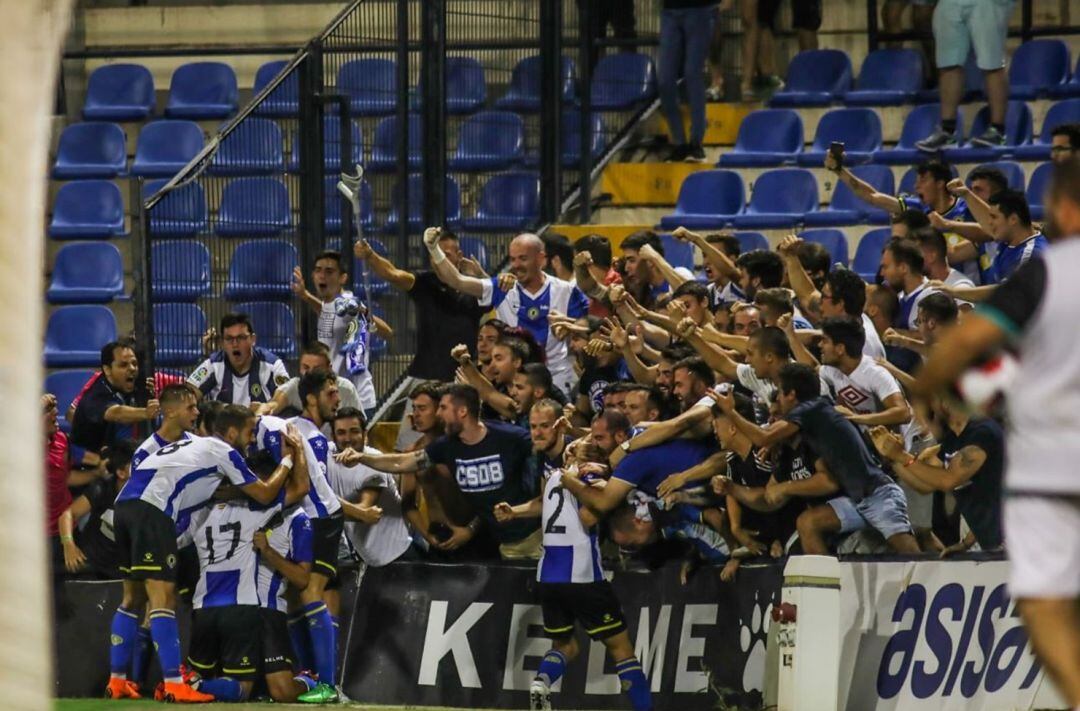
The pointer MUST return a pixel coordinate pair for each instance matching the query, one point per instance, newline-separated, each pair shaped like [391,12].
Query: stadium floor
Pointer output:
[105,705]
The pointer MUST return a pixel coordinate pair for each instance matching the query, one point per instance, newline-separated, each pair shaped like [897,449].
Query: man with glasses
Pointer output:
[1065,142]
[241,373]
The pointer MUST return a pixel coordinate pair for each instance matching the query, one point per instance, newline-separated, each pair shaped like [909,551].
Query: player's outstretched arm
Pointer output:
[390,463]
[599,500]
[383,267]
[265,491]
[530,509]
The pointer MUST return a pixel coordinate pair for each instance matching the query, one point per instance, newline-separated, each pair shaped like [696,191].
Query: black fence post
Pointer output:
[872,24]
[550,109]
[141,265]
[433,97]
[310,134]
[402,168]
[586,48]
[1025,21]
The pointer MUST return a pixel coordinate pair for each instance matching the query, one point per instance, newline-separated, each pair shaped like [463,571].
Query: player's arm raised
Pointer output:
[383,267]
[265,491]
[760,436]
[299,483]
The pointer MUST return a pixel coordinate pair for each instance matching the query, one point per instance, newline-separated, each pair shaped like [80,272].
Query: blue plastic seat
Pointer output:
[65,385]
[261,269]
[767,137]
[466,89]
[1037,65]
[1070,88]
[275,326]
[868,253]
[919,124]
[523,94]
[119,92]
[416,199]
[846,209]
[254,207]
[1062,112]
[779,199]
[202,90]
[858,129]
[332,146]
[75,335]
[474,247]
[379,346]
[284,100]
[678,253]
[87,209]
[888,77]
[165,147]
[832,240]
[751,241]
[708,199]
[91,150]
[1013,172]
[571,139]
[254,147]
[371,85]
[489,141]
[508,202]
[86,273]
[384,149]
[178,330]
[815,77]
[1017,133]
[623,80]
[179,270]
[180,213]
[1036,189]
[335,204]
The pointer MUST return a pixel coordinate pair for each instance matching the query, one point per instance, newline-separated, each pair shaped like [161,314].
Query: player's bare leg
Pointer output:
[1054,627]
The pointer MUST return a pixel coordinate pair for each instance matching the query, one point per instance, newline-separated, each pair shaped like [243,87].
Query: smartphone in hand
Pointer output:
[836,150]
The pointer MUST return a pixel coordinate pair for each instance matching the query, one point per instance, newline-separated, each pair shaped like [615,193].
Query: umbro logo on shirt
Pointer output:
[851,396]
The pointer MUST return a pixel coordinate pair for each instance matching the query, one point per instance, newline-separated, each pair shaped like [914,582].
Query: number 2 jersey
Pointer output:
[320,500]
[571,550]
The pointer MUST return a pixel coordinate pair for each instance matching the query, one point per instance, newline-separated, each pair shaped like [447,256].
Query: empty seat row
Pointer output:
[125,92]
[895,76]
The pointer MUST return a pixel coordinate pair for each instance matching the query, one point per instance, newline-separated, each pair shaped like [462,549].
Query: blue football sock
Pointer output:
[306,681]
[552,667]
[223,689]
[301,642]
[144,648]
[635,684]
[167,643]
[336,628]
[122,634]
[322,641]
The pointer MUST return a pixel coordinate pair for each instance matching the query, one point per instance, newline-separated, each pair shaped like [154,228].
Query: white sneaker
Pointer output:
[539,696]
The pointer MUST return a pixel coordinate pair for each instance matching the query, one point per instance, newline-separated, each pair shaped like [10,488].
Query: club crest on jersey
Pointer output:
[281,379]
[851,397]
[533,313]
[256,390]
[170,560]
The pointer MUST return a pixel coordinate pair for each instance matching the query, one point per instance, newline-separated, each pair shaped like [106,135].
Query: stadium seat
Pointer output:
[119,92]
[75,335]
[858,129]
[474,247]
[253,207]
[275,326]
[86,273]
[868,253]
[284,100]
[678,253]
[91,150]
[571,137]
[1067,111]
[888,77]
[489,141]
[87,209]
[508,202]
[261,269]
[1017,133]
[65,385]
[466,89]
[254,147]
[750,241]
[178,330]
[815,77]
[202,90]
[1013,173]
[1070,88]
[335,204]
[165,147]
[1036,189]
[919,124]
[417,198]
[766,138]
[1037,65]
[832,240]
[384,149]
[523,94]
[179,270]
[623,80]
[331,146]
[379,346]
[846,209]
[371,85]
[708,199]
[180,213]
[779,199]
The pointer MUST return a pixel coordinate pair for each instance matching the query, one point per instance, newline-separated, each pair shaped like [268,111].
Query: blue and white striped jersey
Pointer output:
[152,444]
[320,500]
[228,562]
[218,381]
[182,476]
[571,551]
[291,537]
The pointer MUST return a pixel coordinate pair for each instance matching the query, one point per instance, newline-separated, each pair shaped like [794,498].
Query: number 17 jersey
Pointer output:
[571,550]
